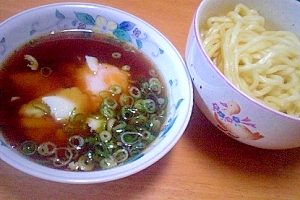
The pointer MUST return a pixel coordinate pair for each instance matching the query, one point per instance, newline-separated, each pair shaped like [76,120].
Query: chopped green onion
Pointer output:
[76,141]
[139,104]
[139,120]
[68,129]
[135,92]
[116,55]
[134,152]
[101,150]
[124,125]
[110,103]
[96,117]
[120,155]
[47,149]
[126,100]
[105,136]
[73,166]
[145,86]
[110,123]
[28,148]
[127,113]
[107,112]
[126,68]
[127,47]
[137,148]
[91,141]
[79,118]
[149,105]
[119,127]
[155,85]
[155,125]
[107,163]
[162,102]
[115,89]
[139,145]
[62,156]
[84,163]
[111,145]
[102,126]
[131,137]
[45,72]
[75,153]
[152,72]
[147,136]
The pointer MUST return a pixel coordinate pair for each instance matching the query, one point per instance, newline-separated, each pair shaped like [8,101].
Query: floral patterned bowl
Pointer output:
[229,109]
[125,27]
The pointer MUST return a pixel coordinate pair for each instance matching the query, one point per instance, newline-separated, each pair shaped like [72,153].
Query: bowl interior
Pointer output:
[275,14]
[73,16]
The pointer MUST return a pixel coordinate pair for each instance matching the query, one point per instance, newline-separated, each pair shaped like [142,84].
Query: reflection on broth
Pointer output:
[80,101]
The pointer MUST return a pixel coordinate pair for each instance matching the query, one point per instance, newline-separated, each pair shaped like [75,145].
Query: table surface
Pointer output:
[204,164]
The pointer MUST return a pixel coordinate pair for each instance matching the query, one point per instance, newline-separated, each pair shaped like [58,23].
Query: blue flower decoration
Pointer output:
[236,119]
[221,114]
[125,31]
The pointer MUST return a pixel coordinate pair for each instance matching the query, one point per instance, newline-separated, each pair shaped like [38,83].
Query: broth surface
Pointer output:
[64,55]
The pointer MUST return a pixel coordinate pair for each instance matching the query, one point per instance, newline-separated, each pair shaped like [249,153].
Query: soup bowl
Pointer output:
[122,26]
[231,110]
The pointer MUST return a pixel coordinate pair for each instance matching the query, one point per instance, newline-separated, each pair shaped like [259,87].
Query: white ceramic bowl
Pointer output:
[55,17]
[213,92]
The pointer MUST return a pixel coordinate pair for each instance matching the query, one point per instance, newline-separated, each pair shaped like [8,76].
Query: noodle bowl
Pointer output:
[243,58]
[70,19]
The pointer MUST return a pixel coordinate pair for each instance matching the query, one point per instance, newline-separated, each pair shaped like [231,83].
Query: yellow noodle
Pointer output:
[264,64]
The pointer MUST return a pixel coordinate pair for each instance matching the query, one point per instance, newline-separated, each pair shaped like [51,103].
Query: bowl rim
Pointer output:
[196,19]
[160,149]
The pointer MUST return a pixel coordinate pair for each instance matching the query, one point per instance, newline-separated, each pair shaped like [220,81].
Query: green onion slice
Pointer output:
[84,163]
[110,103]
[126,68]
[135,92]
[149,105]
[131,137]
[76,141]
[107,163]
[28,148]
[155,85]
[155,125]
[115,89]
[116,55]
[126,100]
[110,123]
[147,136]
[105,136]
[79,118]
[127,113]
[45,72]
[120,155]
[107,111]
[127,47]
[139,120]
[152,72]
[47,149]
[119,127]
[62,156]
